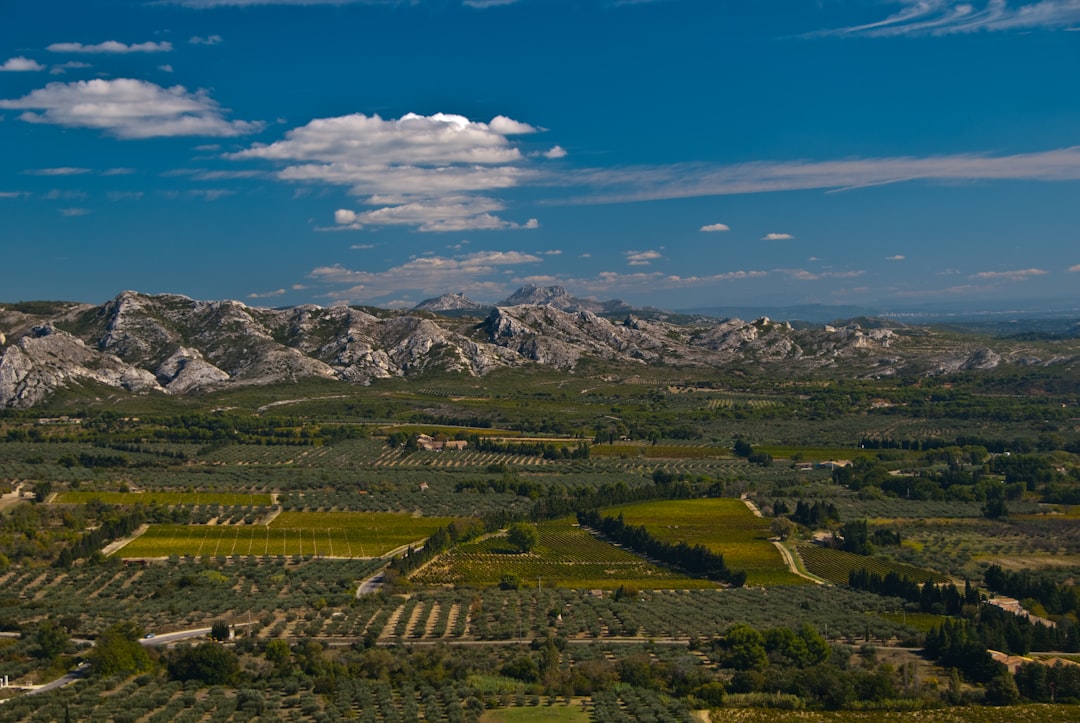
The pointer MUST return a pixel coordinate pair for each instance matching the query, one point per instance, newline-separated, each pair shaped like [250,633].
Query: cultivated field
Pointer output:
[319,534]
[77,497]
[567,556]
[723,525]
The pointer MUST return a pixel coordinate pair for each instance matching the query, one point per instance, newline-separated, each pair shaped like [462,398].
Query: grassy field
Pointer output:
[723,525]
[323,534]
[555,713]
[567,556]
[74,497]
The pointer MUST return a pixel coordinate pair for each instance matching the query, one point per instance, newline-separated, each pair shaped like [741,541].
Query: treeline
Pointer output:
[440,541]
[937,599]
[812,515]
[1055,599]
[694,559]
[113,527]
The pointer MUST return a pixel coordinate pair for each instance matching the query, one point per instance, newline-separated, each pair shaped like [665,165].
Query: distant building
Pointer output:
[431,444]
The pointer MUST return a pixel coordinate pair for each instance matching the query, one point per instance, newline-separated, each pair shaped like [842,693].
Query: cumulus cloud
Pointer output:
[469,273]
[1074,268]
[714,227]
[208,40]
[897,257]
[777,237]
[642,258]
[128,108]
[555,152]
[949,17]
[1016,275]
[420,170]
[19,64]
[165,68]
[111,46]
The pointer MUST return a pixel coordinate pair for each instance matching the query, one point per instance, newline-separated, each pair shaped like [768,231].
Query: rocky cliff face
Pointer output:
[170,344]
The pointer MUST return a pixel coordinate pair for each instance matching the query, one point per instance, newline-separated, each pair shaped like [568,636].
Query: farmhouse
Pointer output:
[431,444]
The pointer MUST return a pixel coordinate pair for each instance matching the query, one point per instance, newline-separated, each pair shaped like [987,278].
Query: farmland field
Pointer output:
[834,565]
[77,497]
[567,556]
[320,534]
[723,525]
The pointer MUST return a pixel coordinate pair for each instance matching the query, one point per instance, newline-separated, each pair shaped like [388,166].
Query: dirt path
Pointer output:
[789,558]
[117,544]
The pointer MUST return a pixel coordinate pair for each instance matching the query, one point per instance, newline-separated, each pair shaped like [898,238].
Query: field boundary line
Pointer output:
[789,558]
[116,545]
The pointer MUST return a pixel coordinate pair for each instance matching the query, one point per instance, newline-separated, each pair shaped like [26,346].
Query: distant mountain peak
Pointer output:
[448,302]
[559,298]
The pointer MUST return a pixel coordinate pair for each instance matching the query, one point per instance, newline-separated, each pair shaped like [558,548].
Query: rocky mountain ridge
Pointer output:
[171,344]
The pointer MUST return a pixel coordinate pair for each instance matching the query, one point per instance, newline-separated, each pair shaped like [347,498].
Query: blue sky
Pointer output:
[678,153]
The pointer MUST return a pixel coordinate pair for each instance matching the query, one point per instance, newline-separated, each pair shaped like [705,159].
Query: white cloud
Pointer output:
[14,194]
[804,275]
[61,68]
[71,212]
[713,227]
[1016,275]
[555,152]
[551,252]
[1074,268]
[128,108]
[165,68]
[208,40]
[949,17]
[267,294]
[777,237]
[425,275]
[60,171]
[201,4]
[897,257]
[642,258]
[124,195]
[19,64]
[481,4]
[111,46]
[419,169]
[362,247]
[449,213]
[118,172]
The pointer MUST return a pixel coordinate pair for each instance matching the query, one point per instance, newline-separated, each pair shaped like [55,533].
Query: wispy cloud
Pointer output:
[111,46]
[714,227]
[777,237]
[128,108]
[804,275]
[61,68]
[642,258]
[450,213]
[266,294]
[948,17]
[59,171]
[14,194]
[897,257]
[71,212]
[644,183]
[208,40]
[1074,269]
[612,282]
[19,64]
[1016,275]
[469,273]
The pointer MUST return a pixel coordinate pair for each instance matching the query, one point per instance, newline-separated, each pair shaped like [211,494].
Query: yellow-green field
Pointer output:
[567,556]
[164,498]
[322,534]
[723,525]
